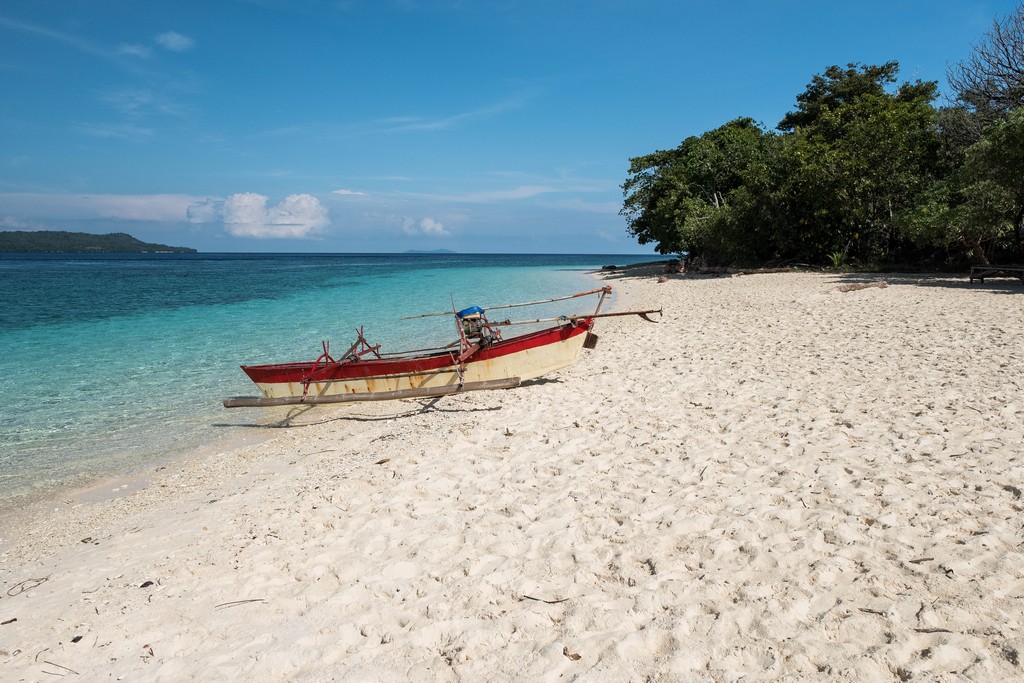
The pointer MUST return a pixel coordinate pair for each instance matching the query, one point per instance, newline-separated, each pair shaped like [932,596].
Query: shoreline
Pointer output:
[144,382]
[102,487]
[32,499]
[779,479]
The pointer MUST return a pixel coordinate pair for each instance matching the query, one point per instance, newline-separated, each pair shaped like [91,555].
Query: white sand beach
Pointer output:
[780,481]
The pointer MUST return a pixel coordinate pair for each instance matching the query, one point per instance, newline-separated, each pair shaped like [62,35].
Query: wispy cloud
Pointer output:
[15,223]
[58,36]
[169,40]
[511,194]
[41,207]
[573,195]
[164,207]
[134,50]
[174,41]
[610,208]
[413,123]
[118,131]
[138,110]
[488,196]
[137,102]
[562,193]
[396,124]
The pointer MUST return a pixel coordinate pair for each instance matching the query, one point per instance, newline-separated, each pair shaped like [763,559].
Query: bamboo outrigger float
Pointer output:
[479,359]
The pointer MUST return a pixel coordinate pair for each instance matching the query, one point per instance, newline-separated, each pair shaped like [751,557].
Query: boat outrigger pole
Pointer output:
[574,318]
[603,291]
[425,392]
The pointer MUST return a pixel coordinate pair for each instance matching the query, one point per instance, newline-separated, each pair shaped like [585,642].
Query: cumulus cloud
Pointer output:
[206,211]
[174,41]
[248,215]
[429,226]
[425,226]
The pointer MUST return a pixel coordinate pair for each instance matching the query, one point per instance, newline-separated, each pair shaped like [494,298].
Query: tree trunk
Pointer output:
[1017,226]
[979,251]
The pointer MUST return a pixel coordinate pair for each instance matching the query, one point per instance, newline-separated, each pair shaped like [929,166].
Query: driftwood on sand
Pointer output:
[853,288]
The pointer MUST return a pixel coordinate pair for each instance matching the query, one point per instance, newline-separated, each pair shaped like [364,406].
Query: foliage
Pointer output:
[835,88]
[678,198]
[979,206]
[837,259]
[854,169]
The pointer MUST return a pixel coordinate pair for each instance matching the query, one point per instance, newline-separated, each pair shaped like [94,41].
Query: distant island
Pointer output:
[432,251]
[59,241]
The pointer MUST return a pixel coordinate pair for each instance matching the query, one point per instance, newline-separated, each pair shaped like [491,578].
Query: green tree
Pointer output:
[653,199]
[999,158]
[856,166]
[838,87]
[959,128]
[678,198]
[960,217]
[979,207]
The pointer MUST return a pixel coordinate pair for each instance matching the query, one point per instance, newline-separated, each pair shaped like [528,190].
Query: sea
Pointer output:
[110,364]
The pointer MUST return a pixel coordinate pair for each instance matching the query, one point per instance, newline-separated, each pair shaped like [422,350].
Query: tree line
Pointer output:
[864,170]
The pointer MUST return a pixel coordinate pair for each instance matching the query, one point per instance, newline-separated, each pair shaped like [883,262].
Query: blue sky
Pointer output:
[386,125]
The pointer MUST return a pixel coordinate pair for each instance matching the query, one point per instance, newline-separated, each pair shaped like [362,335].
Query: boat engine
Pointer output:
[476,327]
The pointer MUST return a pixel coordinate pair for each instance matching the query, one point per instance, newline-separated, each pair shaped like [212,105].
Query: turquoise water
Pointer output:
[112,363]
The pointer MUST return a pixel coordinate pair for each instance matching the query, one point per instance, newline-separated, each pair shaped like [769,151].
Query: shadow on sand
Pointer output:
[296,416]
[997,284]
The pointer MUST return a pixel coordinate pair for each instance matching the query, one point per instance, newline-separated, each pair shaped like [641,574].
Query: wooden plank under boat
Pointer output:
[427,392]
[479,359]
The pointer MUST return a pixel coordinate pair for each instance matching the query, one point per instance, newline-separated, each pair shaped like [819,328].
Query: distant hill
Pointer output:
[58,241]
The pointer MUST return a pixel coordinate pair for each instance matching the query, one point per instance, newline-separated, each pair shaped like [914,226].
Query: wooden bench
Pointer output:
[982,272]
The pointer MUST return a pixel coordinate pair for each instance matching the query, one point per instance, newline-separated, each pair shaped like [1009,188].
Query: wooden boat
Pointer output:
[479,359]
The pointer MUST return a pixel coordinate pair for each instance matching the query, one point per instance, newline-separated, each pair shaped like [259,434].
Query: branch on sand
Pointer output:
[881,284]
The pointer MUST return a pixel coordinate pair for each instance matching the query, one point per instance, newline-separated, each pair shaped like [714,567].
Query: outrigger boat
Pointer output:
[479,359]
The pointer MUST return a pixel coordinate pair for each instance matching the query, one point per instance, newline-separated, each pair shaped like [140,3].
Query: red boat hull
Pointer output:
[524,357]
